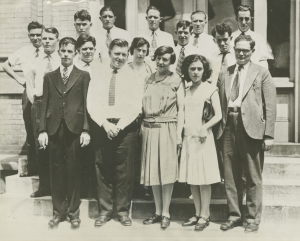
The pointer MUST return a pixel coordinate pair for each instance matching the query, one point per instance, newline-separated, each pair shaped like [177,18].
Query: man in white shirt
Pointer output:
[114,102]
[108,33]
[262,51]
[24,58]
[82,22]
[199,39]
[47,62]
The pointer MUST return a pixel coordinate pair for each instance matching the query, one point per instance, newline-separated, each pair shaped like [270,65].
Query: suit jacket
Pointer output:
[258,107]
[71,104]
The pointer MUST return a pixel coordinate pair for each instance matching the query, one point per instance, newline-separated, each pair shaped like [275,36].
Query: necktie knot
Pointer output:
[243,33]
[240,67]
[37,52]
[197,35]
[115,71]
[87,64]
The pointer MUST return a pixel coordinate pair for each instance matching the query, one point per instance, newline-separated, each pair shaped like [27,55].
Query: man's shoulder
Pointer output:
[207,36]
[165,34]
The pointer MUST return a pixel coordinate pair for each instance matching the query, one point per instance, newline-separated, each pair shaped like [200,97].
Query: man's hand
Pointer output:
[85,139]
[111,129]
[43,140]
[267,143]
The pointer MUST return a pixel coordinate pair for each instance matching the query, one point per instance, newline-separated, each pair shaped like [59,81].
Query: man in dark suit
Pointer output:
[64,123]
[248,100]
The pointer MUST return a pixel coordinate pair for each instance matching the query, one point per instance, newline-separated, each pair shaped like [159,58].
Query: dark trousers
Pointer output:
[242,154]
[30,140]
[42,155]
[114,164]
[65,171]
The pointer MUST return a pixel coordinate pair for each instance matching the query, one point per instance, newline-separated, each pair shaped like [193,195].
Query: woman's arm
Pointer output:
[180,108]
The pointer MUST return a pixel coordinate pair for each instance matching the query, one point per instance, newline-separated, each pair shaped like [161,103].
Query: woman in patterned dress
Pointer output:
[161,129]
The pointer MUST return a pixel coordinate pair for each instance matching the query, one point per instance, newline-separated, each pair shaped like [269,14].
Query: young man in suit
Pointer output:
[65,127]
[248,100]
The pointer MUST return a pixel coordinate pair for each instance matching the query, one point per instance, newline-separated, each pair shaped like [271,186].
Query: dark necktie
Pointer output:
[196,40]
[112,89]
[65,75]
[243,33]
[37,52]
[180,60]
[108,38]
[236,85]
[224,63]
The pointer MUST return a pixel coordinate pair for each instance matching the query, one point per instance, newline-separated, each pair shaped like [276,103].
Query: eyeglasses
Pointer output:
[33,34]
[245,51]
[247,19]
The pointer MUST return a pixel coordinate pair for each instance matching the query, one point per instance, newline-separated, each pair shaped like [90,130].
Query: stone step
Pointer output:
[284,149]
[281,167]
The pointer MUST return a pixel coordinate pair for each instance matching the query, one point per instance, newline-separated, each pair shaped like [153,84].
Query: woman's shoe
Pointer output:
[154,219]
[201,226]
[165,222]
[191,222]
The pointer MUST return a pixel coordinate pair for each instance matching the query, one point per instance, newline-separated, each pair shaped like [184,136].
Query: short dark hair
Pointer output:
[198,11]
[66,41]
[245,38]
[107,8]
[83,38]
[153,8]
[221,29]
[194,58]
[245,8]
[184,24]
[139,42]
[165,50]
[118,42]
[34,25]
[82,15]
[51,30]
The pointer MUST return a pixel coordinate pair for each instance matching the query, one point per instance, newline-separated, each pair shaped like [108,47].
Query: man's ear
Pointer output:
[230,38]
[161,18]
[91,24]
[176,32]
[215,40]
[253,50]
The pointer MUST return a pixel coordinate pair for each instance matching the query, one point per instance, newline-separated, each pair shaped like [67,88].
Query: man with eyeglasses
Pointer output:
[263,52]
[248,100]
[108,33]
[24,58]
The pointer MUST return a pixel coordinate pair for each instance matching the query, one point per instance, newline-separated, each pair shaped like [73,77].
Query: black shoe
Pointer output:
[154,219]
[191,222]
[40,193]
[251,228]
[165,222]
[75,223]
[125,221]
[201,226]
[101,221]
[55,221]
[230,225]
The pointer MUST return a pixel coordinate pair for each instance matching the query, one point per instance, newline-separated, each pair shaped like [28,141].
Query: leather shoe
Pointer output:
[101,221]
[154,219]
[191,222]
[40,193]
[251,228]
[125,221]
[230,225]
[165,222]
[55,221]
[201,226]
[75,223]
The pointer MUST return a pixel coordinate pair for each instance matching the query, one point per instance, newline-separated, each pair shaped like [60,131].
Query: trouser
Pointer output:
[41,154]
[65,171]
[242,154]
[114,165]
[30,141]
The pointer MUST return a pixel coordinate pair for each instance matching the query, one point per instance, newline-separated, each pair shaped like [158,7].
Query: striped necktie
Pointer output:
[180,60]
[236,85]
[65,75]
[154,43]
[108,38]
[196,40]
[112,89]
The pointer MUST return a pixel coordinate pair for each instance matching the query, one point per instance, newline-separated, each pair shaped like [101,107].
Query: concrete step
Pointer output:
[284,149]
[281,167]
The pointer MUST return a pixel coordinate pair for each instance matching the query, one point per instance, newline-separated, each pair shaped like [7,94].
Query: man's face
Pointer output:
[49,41]
[244,20]
[35,36]
[82,26]
[198,22]
[67,53]
[108,19]
[153,19]
[243,52]
[139,53]
[86,52]
[223,42]
[183,35]
[118,56]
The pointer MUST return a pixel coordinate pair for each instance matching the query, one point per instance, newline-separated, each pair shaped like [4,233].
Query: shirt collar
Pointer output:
[70,68]
[110,30]
[156,32]
[246,33]
[245,66]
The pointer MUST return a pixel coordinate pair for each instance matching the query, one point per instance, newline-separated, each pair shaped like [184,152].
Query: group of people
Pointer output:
[203,111]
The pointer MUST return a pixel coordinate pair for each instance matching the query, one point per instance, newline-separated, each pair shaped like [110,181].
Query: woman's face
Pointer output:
[139,53]
[163,62]
[196,71]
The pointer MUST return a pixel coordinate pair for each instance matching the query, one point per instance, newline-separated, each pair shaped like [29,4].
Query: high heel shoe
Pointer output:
[191,222]
[201,226]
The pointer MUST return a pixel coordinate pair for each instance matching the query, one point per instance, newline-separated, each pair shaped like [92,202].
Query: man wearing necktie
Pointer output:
[82,22]
[114,102]
[64,131]
[248,100]
[25,58]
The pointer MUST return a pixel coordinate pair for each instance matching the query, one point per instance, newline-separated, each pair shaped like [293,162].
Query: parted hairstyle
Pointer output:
[184,24]
[197,12]
[139,42]
[194,58]
[34,25]
[245,8]
[83,38]
[165,50]
[107,8]
[221,29]
[51,30]
[118,42]
[66,41]
[82,15]
[153,8]
[245,38]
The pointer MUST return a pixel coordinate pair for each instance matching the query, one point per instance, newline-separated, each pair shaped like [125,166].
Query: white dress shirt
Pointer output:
[242,79]
[206,44]
[25,58]
[101,48]
[83,65]
[128,95]
[262,50]
[39,70]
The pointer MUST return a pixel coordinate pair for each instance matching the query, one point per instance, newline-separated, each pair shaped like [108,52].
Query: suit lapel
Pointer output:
[56,78]
[250,77]
[228,80]
[74,76]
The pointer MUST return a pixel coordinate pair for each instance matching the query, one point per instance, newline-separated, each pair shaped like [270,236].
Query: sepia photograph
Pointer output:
[149,120]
